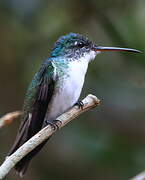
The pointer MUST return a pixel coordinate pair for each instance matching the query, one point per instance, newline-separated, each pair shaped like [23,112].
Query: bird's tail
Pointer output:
[22,165]
[24,134]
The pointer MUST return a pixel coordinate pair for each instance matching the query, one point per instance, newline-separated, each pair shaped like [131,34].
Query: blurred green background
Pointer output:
[107,142]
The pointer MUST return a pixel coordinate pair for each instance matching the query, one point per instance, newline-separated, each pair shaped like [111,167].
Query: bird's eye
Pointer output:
[79,44]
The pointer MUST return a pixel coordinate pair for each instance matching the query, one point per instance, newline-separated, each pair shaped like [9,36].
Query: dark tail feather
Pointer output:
[22,165]
[25,133]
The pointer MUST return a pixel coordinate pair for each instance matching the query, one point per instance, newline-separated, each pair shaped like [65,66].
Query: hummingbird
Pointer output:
[55,88]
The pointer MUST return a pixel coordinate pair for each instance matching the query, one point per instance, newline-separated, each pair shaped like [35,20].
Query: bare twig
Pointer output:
[8,118]
[140,176]
[89,102]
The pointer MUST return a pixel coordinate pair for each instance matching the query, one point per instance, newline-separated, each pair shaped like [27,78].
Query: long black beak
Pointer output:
[101,48]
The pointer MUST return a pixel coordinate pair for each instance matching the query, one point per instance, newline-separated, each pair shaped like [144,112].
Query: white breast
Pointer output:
[75,80]
[70,89]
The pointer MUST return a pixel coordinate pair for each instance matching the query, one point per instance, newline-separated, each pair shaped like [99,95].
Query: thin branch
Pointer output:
[89,102]
[140,176]
[9,118]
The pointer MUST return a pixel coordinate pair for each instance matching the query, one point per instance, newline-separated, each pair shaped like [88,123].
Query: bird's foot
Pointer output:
[80,104]
[55,124]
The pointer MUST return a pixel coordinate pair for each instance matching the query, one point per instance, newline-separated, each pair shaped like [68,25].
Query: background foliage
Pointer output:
[109,141]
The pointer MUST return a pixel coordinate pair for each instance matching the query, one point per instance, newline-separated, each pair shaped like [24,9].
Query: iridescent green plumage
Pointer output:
[44,75]
[37,98]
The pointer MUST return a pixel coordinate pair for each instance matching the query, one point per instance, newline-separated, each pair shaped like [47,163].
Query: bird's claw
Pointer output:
[55,124]
[80,104]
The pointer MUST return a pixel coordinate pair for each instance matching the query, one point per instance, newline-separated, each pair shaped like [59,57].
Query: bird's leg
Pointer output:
[55,124]
[80,104]
[58,122]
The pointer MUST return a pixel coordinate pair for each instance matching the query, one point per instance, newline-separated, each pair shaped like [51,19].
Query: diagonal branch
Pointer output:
[89,102]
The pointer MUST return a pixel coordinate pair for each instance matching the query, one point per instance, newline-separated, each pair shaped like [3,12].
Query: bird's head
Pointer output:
[75,46]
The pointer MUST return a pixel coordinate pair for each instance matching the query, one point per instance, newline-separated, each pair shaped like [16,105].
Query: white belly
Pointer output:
[68,91]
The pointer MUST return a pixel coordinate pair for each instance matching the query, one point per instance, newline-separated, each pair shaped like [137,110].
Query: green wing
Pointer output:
[38,88]
[36,102]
